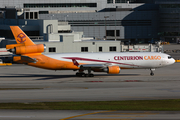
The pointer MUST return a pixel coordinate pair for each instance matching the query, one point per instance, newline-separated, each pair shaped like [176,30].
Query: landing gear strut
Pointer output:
[89,73]
[82,74]
[152,73]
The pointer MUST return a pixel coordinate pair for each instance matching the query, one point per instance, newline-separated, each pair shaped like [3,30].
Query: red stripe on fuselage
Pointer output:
[94,60]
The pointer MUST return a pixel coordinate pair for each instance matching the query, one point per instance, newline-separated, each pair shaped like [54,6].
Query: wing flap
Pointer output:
[88,65]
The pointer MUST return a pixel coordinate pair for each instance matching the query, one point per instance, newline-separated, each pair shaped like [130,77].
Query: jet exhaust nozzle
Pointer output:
[11,50]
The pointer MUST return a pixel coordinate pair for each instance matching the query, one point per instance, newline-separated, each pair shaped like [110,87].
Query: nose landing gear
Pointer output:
[152,73]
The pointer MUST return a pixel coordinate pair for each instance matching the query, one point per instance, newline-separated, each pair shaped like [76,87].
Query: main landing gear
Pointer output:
[152,73]
[82,74]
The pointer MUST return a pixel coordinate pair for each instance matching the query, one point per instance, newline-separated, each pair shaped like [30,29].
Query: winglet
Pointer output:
[75,62]
[20,36]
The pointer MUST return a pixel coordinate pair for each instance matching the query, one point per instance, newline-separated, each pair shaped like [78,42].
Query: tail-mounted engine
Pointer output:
[39,48]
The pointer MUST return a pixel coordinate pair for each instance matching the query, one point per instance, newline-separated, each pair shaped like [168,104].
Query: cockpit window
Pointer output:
[169,57]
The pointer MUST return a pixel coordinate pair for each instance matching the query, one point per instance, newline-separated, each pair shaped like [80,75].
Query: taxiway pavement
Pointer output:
[20,83]
[87,115]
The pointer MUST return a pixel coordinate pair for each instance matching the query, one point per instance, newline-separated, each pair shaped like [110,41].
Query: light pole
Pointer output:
[115,30]
[105,27]
[65,17]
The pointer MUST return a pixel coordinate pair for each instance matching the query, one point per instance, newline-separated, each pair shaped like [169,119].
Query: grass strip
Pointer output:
[139,105]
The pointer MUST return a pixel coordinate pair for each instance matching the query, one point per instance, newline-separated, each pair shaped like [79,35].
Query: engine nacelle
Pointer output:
[28,49]
[113,70]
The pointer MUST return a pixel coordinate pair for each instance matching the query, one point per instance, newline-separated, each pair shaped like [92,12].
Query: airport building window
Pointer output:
[27,15]
[109,1]
[119,1]
[117,32]
[111,23]
[112,33]
[170,6]
[130,1]
[100,49]
[43,12]
[171,33]
[84,49]
[56,5]
[52,49]
[36,15]
[112,48]
[31,15]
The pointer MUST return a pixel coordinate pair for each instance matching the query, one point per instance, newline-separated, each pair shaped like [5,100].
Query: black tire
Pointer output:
[152,74]
[79,74]
[91,75]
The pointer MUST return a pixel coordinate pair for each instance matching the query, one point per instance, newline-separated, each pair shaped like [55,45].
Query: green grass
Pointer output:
[140,105]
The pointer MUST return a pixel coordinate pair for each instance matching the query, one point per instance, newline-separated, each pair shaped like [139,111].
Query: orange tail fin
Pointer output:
[20,36]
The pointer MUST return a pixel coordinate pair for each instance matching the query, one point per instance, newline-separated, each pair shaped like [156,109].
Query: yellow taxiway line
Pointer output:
[5,64]
[86,114]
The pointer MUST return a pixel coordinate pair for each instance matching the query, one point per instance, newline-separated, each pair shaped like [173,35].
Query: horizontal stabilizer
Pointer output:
[24,59]
[28,59]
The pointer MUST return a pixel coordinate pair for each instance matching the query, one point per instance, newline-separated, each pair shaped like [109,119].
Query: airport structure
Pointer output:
[169,20]
[137,21]
[58,38]
[83,26]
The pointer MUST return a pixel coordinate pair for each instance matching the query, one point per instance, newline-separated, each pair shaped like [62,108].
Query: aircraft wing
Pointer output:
[93,65]
[106,67]
[88,65]
[98,67]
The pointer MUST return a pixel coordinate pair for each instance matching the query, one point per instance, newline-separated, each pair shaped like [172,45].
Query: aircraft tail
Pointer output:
[20,36]
[24,44]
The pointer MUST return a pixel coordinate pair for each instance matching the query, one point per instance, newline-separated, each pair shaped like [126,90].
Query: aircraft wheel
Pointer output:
[91,75]
[151,74]
[79,74]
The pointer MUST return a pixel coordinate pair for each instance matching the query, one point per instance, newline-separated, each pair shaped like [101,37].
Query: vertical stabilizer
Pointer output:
[20,36]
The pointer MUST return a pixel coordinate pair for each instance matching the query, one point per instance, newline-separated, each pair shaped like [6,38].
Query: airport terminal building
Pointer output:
[138,21]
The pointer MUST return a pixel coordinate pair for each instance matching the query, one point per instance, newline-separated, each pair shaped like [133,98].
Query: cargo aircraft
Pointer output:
[27,52]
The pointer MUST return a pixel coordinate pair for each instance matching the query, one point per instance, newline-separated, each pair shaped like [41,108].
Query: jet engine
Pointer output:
[39,48]
[113,70]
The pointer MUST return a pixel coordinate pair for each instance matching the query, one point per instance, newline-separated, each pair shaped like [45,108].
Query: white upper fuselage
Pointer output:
[123,59]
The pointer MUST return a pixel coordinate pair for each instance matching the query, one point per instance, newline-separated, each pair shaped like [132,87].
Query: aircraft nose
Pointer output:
[172,61]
